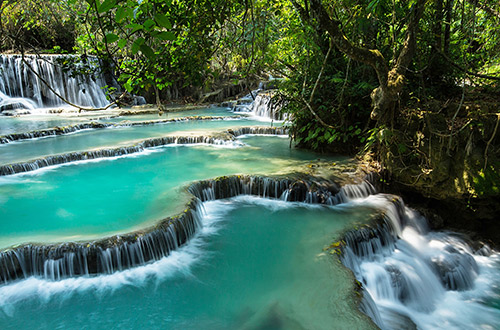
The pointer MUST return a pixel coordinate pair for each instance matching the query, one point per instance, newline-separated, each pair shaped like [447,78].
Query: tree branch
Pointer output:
[320,73]
[464,69]
[410,43]
[315,114]
[80,108]
[372,57]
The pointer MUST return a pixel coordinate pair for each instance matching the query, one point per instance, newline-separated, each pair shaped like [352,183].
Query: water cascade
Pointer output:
[260,104]
[54,262]
[21,89]
[55,131]
[409,276]
[409,273]
[227,138]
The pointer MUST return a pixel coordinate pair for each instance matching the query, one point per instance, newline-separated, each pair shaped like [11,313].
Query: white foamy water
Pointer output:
[21,88]
[178,262]
[433,279]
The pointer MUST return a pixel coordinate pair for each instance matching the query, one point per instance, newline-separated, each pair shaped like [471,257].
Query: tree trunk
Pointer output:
[391,80]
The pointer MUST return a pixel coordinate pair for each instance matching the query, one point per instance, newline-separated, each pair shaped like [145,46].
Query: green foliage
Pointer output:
[163,46]
[154,44]
[30,25]
[487,182]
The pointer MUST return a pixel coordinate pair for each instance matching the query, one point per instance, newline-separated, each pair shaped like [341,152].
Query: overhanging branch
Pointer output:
[449,60]
[372,57]
[80,108]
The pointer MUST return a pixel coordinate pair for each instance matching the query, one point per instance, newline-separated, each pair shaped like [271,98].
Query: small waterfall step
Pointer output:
[262,104]
[224,138]
[56,131]
[120,252]
[405,269]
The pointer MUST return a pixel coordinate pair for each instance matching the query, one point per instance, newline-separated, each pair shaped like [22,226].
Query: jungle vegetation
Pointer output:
[413,85]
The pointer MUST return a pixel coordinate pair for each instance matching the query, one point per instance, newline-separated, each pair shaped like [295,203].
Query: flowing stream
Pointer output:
[198,219]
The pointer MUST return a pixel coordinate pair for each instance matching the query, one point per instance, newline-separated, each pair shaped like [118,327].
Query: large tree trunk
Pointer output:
[391,80]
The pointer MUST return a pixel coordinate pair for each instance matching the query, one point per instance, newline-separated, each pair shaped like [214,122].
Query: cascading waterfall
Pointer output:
[56,131]
[408,271]
[39,163]
[54,262]
[260,104]
[20,88]
[259,131]
[7,103]
[220,139]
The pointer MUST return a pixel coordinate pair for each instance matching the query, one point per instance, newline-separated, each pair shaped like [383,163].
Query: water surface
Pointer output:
[256,264]
[111,137]
[90,199]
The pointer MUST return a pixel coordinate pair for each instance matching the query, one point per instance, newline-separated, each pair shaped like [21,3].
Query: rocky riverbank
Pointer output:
[444,158]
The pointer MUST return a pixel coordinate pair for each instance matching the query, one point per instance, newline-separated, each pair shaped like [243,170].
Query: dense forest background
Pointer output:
[412,86]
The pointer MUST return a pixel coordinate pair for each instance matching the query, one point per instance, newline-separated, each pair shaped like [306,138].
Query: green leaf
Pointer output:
[111,37]
[373,4]
[163,21]
[166,35]
[134,27]
[148,24]
[137,44]
[120,14]
[106,5]
[122,43]
[337,80]
[146,50]
[128,86]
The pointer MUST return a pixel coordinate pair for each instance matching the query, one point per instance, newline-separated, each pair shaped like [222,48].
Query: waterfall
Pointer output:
[51,132]
[105,256]
[20,88]
[55,262]
[408,271]
[226,138]
[410,277]
[260,104]
[259,131]
[38,163]
[56,131]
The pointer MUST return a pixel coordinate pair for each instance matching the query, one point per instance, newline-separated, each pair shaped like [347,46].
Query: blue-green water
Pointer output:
[10,125]
[90,199]
[256,264]
[109,137]
[211,111]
